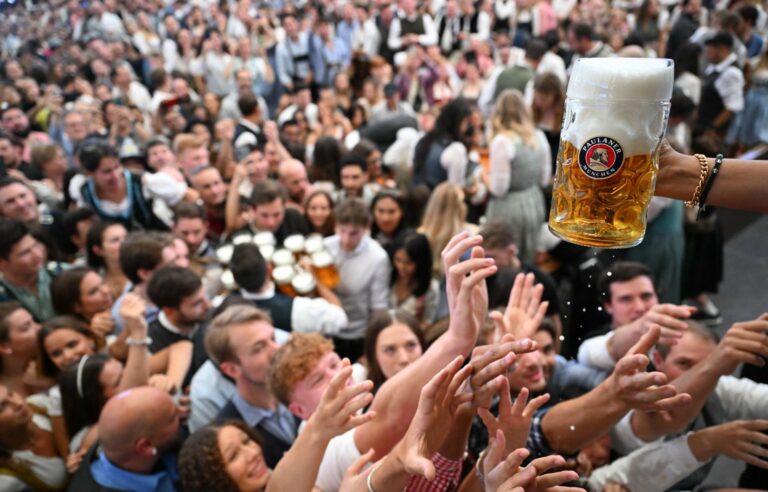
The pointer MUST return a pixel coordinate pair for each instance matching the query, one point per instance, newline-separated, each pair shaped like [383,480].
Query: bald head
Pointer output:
[293,176]
[136,425]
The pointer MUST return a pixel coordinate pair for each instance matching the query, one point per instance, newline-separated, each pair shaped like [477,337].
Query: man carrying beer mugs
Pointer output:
[303,314]
[364,271]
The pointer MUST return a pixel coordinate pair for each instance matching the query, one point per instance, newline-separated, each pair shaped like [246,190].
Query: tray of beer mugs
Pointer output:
[264,240]
[308,256]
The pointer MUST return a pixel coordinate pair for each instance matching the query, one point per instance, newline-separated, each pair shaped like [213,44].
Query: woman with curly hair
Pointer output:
[223,458]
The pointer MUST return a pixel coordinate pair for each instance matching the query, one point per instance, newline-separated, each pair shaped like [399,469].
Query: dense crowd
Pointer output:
[296,245]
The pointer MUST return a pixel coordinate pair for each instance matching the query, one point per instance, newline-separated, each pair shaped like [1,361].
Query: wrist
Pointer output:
[701,445]
[681,172]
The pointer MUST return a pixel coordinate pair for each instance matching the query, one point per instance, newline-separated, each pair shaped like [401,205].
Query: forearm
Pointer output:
[225,159]
[136,371]
[232,207]
[572,424]
[456,440]
[739,184]
[702,445]
[396,402]
[297,470]
[699,382]
[327,294]
[390,475]
[179,360]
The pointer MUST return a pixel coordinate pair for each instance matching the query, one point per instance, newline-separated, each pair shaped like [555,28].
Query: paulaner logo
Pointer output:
[600,157]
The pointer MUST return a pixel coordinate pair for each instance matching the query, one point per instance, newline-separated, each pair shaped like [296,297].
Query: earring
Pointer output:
[154,451]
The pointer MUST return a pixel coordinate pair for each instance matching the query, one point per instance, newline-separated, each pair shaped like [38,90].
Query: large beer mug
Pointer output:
[616,114]
[325,269]
[283,277]
[304,283]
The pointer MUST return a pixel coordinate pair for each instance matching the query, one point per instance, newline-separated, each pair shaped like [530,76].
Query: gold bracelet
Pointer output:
[702,179]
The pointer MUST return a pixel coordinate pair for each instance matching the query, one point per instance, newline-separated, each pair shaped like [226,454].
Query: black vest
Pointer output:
[272,446]
[140,216]
[432,172]
[163,338]
[711,101]
[412,26]
[278,306]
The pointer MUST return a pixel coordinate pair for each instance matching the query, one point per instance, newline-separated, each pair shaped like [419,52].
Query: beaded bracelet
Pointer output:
[704,167]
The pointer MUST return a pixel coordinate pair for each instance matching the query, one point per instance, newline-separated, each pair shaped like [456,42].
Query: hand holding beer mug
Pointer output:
[615,118]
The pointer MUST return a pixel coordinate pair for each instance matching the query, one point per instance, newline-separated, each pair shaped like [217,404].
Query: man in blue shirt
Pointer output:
[138,433]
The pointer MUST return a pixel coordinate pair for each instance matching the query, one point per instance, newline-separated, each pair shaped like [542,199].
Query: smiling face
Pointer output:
[243,459]
[528,372]
[387,215]
[22,334]
[15,414]
[66,346]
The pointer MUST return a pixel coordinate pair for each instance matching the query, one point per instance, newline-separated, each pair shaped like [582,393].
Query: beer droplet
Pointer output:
[609,274]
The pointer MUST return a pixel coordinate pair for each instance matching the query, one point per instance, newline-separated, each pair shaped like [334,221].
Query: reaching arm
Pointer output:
[395,403]
[573,424]
[136,371]
[739,184]
[742,343]
[336,414]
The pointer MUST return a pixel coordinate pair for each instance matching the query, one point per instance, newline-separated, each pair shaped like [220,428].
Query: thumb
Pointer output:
[360,463]
[424,467]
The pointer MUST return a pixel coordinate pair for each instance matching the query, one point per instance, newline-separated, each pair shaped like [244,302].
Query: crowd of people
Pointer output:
[302,245]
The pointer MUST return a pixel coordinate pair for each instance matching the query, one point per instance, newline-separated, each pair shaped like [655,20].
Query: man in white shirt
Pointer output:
[722,92]
[410,28]
[364,269]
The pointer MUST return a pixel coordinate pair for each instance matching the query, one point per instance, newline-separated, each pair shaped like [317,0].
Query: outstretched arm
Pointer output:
[739,184]
[573,424]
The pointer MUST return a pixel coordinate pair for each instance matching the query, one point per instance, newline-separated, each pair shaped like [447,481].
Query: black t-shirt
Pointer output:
[163,338]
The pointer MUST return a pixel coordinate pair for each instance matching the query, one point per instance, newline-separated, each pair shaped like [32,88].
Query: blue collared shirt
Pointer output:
[279,423]
[108,475]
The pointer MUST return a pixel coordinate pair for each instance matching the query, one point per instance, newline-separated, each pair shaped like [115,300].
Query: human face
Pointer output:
[404,264]
[350,236]
[9,152]
[396,348]
[110,378]
[527,372]
[307,393]
[111,241]
[318,211]
[15,121]
[257,166]
[160,156]
[66,346]
[15,414]
[243,459]
[193,158]
[22,334]
[94,296]
[254,346]
[269,216]
[25,259]
[353,179]
[547,348]
[502,257]
[387,214]
[56,166]
[296,182]
[689,350]
[180,253]
[18,202]
[109,175]
[630,300]
[211,187]
[193,309]
[192,231]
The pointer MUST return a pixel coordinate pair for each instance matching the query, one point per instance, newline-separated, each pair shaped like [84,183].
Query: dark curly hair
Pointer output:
[201,466]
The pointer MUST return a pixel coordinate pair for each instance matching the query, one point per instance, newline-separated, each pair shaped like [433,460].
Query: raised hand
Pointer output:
[355,479]
[524,312]
[465,285]
[102,324]
[489,367]
[513,420]
[132,311]
[741,439]
[744,342]
[639,389]
[339,405]
[667,317]
[438,405]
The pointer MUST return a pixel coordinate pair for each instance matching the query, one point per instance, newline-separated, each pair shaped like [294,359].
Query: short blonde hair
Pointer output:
[186,141]
[294,361]
[217,336]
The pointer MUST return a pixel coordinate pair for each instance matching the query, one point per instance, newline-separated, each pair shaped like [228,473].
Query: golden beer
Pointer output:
[616,115]
[325,269]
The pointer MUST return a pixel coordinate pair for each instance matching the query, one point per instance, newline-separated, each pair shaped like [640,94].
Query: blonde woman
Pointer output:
[444,217]
[520,161]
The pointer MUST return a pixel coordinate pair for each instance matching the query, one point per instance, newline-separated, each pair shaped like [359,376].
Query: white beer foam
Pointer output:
[620,98]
